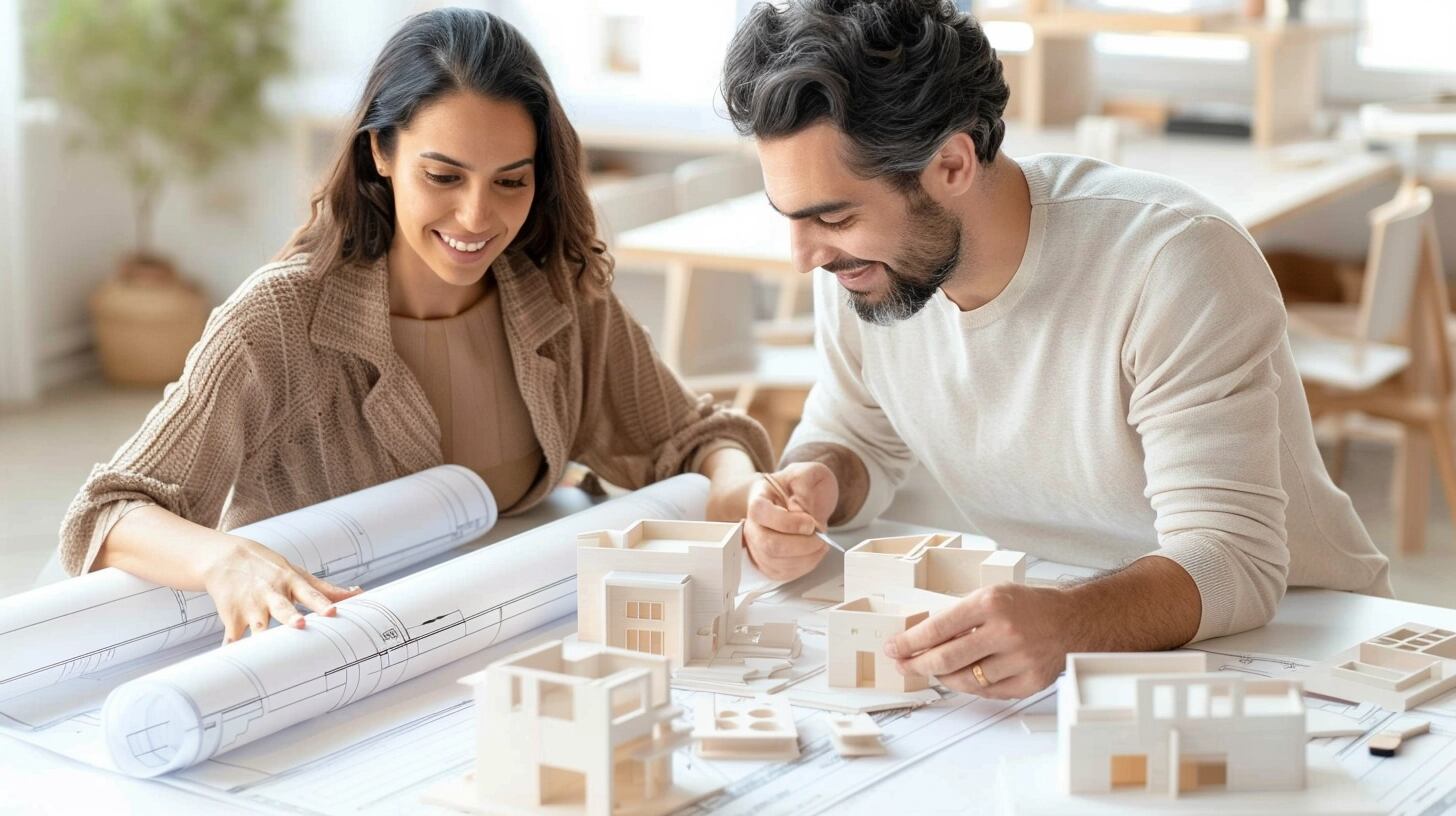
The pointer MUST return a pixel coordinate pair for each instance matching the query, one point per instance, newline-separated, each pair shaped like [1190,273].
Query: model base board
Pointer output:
[1399,669]
[1028,787]
[690,786]
[817,693]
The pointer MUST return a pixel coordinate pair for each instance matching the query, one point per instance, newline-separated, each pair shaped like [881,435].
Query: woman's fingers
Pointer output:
[233,624]
[307,594]
[333,593]
[284,610]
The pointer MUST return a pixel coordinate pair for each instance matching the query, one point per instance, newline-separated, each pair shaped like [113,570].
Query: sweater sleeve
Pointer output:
[188,452]
[1199,357]
[640,424]
[841,410]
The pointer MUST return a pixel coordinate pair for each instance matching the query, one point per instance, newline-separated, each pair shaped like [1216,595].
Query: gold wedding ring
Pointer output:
[980,675]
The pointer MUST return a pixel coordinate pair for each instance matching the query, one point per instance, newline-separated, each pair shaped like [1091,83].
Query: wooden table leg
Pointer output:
[1411,489]
[678,288]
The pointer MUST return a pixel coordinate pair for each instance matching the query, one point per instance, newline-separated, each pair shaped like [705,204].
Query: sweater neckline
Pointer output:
[1001,305]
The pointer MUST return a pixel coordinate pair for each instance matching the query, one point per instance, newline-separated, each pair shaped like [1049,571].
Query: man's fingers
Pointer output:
[775,517]
[772,546]
[283,610]
[949,657]
[936,629]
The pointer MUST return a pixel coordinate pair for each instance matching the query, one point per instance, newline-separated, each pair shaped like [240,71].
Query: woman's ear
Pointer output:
[380,165]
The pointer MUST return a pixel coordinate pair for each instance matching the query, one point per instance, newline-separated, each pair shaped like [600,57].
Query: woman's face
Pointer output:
[463,175]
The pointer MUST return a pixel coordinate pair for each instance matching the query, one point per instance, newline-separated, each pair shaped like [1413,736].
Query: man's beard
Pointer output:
[925,263]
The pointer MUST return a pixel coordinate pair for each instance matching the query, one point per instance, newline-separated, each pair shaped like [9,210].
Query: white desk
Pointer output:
[1309,624]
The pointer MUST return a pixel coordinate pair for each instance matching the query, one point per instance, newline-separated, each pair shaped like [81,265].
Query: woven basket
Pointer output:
[145,320]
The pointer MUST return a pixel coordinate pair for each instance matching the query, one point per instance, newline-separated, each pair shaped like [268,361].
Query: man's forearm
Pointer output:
[1151,605]
[850,472]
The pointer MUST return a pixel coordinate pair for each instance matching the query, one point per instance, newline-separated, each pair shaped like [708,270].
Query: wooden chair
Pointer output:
[1389,355]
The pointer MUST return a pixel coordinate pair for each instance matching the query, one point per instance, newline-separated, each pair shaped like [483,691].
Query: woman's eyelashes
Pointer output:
[445,180]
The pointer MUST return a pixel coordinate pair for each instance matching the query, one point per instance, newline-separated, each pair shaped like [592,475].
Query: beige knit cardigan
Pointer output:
[295,395]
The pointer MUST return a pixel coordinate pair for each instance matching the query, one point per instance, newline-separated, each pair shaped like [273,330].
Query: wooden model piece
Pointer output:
[932,571]
[1164,723]
[1398,670]
[748,729]
[661,587]
[858,630]
[1387,742]
[591,733]
[855,735]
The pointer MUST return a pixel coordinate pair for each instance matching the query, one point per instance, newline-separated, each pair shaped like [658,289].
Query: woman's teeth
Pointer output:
[461,245]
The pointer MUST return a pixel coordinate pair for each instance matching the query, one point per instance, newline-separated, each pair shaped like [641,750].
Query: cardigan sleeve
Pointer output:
[640,423]
[189,450]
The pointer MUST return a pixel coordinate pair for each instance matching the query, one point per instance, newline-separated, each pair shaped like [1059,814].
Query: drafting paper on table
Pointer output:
[94,622]
[231,696]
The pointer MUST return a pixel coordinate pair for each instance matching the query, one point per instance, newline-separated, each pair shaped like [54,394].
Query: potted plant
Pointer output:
[169,89]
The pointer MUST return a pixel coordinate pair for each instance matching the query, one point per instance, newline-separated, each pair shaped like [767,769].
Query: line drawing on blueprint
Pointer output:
[83,625]
[214,702]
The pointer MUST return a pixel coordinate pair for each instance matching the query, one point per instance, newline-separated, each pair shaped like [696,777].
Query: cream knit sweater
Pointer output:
[1131,391]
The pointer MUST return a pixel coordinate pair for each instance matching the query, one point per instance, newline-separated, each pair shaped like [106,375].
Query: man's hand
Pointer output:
[1013,632]
[780,535]
[1019,636]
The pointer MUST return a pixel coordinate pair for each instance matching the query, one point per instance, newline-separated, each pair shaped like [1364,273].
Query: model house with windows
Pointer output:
[661,587]
[1399,669]
[858,630]
[931,571]
[592,732]
[1162,722]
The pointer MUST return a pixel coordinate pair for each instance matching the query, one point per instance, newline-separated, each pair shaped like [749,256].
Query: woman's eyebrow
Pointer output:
[441,157]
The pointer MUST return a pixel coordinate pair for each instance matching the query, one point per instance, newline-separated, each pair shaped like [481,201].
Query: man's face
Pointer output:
[890,250]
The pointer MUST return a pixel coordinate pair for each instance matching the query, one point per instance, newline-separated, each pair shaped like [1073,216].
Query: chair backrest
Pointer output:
[632,203]
[702,182]
[1393,266]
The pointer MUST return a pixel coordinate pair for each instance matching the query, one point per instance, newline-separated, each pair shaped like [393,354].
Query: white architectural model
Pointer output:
[930,571]
[891,584]
[591,733]
[855,735]
[1162,722]
[1399,669]
[750,729]
[858,630]
[670,588]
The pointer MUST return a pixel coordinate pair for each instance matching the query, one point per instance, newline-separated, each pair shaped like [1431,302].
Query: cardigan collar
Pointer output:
[352,316]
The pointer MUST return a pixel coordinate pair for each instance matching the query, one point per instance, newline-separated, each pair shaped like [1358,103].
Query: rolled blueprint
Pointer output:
[203,706]
[95,621]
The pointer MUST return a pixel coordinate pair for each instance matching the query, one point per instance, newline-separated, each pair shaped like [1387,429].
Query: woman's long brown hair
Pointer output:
[436,53]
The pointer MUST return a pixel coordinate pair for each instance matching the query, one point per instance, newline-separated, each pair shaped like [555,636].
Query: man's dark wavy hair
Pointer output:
[897,77]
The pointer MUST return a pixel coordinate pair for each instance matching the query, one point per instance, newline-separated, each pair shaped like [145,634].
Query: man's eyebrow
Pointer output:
[812,210]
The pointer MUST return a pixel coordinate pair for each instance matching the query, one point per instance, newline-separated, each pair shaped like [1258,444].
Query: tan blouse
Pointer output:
[464,366]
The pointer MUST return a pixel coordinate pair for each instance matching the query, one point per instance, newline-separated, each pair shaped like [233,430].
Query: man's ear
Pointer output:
[954,169]
[380,165]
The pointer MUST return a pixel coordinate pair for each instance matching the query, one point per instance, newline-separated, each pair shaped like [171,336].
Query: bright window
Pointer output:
[1408,35]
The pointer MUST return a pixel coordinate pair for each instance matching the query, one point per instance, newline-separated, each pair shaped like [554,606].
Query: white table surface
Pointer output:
[1310,624]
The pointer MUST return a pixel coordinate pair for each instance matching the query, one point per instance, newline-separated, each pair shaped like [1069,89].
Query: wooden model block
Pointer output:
[1163,723]
[756,729]
[857,633]
[1398,670]
[1387,742]
[661,587]
[855,735]
[589,733]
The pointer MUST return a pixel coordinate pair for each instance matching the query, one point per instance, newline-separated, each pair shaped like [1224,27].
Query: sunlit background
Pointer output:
[153,153]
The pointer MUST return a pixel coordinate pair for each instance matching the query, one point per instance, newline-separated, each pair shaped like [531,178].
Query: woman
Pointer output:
[448,301]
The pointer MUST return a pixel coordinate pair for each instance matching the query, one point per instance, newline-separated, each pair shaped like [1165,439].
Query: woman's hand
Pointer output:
[251,585]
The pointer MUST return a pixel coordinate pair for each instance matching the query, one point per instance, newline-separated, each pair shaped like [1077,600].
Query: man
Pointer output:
[1090,360]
